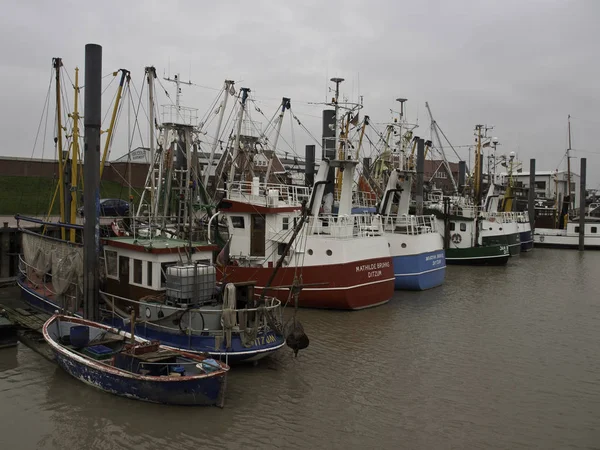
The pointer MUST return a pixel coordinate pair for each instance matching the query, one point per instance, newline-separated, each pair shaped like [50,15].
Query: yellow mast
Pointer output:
[124,75]
[57,63]
[362,134]
[75,117]
[341,155]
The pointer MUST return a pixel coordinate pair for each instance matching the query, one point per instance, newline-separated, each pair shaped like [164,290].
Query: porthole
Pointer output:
[403,245]
[329,252]
[310,252]
[148,313]
[500,228]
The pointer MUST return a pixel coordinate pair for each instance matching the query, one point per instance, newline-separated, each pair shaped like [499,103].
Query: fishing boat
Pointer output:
[159,264]
[116,362]
[416,246]
[568,236]
[342,258]
[558,225]
[460,224]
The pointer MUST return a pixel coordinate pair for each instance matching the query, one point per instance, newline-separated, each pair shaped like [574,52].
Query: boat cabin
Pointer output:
[135,269]
[261,219]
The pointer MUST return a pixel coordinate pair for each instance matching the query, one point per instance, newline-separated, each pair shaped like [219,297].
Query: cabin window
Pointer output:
[237,221]
[137,271]
[576,229]
[463,226]
[594,229]
[452,226]
[285,223]
[281,247]
[149,273]
[112,264]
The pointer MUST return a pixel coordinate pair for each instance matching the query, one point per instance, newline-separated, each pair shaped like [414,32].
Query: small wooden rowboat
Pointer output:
[111,360]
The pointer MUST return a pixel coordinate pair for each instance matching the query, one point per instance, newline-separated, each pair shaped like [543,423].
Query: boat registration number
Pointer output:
[268,338]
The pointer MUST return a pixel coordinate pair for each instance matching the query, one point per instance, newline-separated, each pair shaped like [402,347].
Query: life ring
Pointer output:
[456,238]
[492,219]
[116,228]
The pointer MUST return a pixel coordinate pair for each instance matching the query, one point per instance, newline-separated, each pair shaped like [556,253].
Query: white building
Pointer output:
[548,183]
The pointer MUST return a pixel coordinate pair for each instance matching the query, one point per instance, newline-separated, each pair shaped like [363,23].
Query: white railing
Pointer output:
[410,225]
[180,115]
[364,199]
[345,226]
[267,194]
[189,318]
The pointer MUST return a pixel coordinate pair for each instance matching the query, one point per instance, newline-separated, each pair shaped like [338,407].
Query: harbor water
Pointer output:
[498,357]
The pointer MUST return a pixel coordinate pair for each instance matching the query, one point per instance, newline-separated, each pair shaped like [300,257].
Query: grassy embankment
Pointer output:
[32,195]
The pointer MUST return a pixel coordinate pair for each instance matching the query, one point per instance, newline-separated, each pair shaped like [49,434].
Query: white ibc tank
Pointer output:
[180,282]
[273,197]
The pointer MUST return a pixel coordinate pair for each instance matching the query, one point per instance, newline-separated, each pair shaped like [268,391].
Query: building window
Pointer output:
[594,229]
[112,264]
[540,185]
[149,273]
[237,221]
[137,271]
[285,223]
[463,226]
[452,226]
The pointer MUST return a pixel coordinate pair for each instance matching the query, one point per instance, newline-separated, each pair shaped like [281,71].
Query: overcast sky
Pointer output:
[521,66]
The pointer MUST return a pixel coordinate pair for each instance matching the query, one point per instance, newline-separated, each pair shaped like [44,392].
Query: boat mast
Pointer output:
[226,89]
[57,64]
[150,76]
[337,82]
[569,165]
[285,104]
[244,93]
[477,178]
[75,117]
[434,127]
[113,118]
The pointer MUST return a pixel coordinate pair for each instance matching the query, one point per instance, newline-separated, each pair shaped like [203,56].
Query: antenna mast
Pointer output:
[177,80]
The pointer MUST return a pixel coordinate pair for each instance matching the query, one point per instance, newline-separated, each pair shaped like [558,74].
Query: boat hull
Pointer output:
[526,241]
[205,389]
[265,343]
[182,392]
[551,238]
[493,255]
[347,286]
[418,259]
[419,272]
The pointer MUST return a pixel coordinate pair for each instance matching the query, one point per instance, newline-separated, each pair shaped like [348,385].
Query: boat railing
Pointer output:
[268,194]
[44,285]
[410,225]
[364,199]
[271,305]
[181,115]
[345,226]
